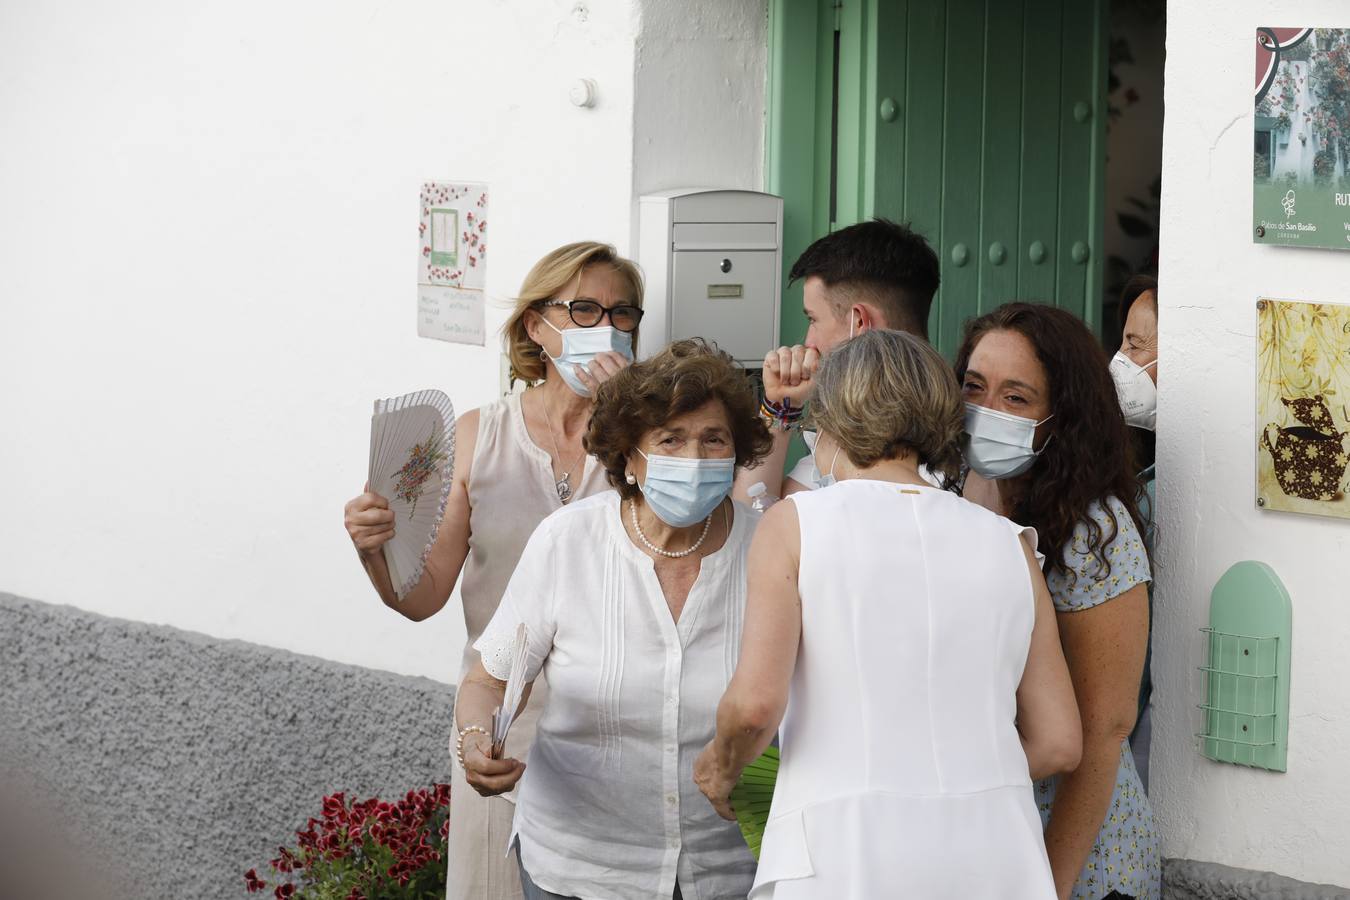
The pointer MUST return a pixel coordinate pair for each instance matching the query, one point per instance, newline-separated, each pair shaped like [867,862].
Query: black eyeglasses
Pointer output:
[589,313]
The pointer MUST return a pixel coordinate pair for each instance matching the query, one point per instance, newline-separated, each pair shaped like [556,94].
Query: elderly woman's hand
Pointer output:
[714,783]
[602,368]
[485,775]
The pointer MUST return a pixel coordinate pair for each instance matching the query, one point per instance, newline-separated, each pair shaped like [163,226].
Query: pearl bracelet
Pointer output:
[459,742]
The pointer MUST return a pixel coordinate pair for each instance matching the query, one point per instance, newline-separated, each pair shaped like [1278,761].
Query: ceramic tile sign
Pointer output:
[1301,160]
[1302,407]
[452,261]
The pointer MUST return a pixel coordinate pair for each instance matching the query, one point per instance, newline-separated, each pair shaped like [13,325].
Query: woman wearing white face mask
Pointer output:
[1046,445]
[632,602]
[1134,369]
[520,459]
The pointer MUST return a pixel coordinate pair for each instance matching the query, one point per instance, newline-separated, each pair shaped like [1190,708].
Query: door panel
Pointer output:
[1000,240]
[962,154]
[884,138]
[923,45]
[980,124]
[1078,175]
[1039,204]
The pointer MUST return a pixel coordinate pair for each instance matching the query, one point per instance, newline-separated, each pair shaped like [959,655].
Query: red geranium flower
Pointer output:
[363,848]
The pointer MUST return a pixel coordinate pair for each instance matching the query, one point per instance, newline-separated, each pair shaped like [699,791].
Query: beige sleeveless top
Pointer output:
[511,490]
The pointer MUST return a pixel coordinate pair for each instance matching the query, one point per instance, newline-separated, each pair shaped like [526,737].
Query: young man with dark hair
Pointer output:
[875,274]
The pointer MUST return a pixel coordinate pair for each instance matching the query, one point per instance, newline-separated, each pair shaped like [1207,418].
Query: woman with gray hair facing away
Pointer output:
[905,640]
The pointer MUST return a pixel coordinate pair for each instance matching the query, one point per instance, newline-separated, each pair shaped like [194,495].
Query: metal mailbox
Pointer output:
[713,262]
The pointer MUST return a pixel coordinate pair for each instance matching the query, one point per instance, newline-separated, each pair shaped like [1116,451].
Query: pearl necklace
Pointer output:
[707,523]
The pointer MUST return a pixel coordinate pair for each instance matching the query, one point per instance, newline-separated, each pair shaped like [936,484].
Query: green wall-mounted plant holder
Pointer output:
[1246,669]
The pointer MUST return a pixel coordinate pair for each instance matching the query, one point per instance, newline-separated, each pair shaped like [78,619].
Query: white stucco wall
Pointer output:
[700,92]
[1211,275]
[207,270]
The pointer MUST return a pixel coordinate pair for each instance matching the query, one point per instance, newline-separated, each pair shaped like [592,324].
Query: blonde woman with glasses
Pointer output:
[521,458]
[905,640]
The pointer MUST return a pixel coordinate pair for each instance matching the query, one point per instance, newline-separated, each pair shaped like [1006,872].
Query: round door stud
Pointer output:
[960,254]
[1036,252]
[1079,252]
[889,111]
[1082,111]
[725,265]
[997,253]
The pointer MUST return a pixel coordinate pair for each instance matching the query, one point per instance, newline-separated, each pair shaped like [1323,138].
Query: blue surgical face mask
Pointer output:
[998,444]
[682,491]
[581,345]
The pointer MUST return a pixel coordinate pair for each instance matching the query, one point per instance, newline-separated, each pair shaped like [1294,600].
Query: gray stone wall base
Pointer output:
[1189,879]
[174,761]
[180,760]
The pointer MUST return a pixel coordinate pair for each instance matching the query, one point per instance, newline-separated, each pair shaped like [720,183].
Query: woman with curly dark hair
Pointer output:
[632,603]
[1047,446]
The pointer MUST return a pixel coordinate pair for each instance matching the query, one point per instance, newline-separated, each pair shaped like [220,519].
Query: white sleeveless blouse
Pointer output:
[902,770]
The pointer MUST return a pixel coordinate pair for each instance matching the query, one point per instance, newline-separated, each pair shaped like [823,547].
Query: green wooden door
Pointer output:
[979,122]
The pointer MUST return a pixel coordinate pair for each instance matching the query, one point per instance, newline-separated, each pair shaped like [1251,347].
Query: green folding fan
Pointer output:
[752,796]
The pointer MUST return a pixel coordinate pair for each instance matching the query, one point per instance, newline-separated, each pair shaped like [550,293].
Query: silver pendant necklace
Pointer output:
[562,485]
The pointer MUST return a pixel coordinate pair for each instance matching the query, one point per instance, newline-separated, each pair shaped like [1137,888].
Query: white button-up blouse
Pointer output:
[608,807]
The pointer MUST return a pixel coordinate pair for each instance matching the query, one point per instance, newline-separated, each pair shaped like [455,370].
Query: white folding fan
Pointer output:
[505,714]
[412,456]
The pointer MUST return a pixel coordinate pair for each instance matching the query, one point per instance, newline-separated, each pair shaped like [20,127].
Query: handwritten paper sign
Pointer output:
[450,314]
[452,261]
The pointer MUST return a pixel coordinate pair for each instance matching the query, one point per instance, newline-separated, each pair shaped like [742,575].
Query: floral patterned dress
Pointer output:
[1126,856]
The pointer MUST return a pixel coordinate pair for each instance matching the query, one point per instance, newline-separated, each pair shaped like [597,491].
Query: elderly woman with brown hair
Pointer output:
[520,459]
[632,605]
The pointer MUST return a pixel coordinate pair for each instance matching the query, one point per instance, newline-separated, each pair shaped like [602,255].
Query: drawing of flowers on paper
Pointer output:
[452,235]
[424,459]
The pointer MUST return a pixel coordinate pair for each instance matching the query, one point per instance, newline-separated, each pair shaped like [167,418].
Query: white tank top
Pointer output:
[511,490]
[917,612]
